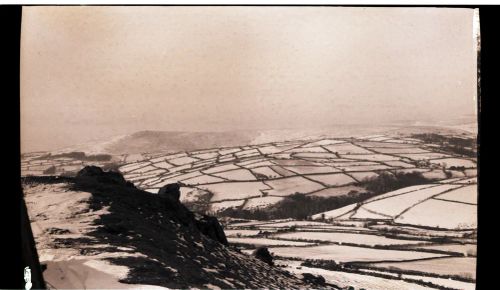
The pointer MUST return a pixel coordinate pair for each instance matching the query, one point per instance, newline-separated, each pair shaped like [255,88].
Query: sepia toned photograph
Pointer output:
[250,147]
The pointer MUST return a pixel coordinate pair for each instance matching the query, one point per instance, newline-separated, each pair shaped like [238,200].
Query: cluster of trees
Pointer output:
[298,206]
[389,181]
[458,168]
[462,146]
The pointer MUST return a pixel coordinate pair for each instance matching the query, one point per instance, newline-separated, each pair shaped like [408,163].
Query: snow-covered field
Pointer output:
[448,205]
[377,260]
[350,238]
[387,235]
[319,166]
[266,242]
[340,253]
[345,279]
[463,266]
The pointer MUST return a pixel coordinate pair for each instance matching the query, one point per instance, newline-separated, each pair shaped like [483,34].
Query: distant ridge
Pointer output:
[173,141]
[164,141]
[149,141]
[157,141]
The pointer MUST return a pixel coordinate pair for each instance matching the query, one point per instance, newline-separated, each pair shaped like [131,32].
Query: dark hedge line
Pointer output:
[302,207]
[78,156]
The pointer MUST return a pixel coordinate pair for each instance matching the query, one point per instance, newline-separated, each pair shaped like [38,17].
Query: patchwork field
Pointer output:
[321,167]
[464,267]
[370,256]
[346,279]
[445,205]
[416,236]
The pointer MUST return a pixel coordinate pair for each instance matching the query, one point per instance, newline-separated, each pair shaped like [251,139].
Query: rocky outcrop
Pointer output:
[170,192]
[210,227]
[207,225]
[263,254]
[95,175]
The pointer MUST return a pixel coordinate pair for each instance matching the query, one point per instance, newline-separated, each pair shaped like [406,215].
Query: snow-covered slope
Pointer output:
[109,235]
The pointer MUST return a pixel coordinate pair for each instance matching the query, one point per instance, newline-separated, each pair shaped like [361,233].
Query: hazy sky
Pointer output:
[94,72]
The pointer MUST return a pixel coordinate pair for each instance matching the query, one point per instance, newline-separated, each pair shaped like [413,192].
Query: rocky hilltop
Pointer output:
[98,230]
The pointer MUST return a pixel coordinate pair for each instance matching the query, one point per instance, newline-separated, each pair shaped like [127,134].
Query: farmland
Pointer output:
[262,177]
[373,212]
[374,253]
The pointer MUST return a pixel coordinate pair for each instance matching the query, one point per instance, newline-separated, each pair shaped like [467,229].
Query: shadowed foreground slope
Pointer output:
[103,218]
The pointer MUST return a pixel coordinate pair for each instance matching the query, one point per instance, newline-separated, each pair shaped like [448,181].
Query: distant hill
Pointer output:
[173,141]
[159,141]
[163,141]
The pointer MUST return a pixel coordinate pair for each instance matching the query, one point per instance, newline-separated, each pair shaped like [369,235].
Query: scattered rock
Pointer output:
[57,231]
[313,279]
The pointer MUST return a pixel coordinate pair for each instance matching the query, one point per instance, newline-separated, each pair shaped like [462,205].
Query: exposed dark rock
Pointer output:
[94,177]
[313,279]
[94,174]
[171,192]
[211,227]
[263,254]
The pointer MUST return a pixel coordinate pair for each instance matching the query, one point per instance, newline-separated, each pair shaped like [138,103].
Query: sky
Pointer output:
[94,72]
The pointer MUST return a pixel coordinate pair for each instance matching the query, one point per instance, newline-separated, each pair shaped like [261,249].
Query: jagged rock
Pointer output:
[207,225]
[171,192]
[313,279]
[263,254]
[210,226]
